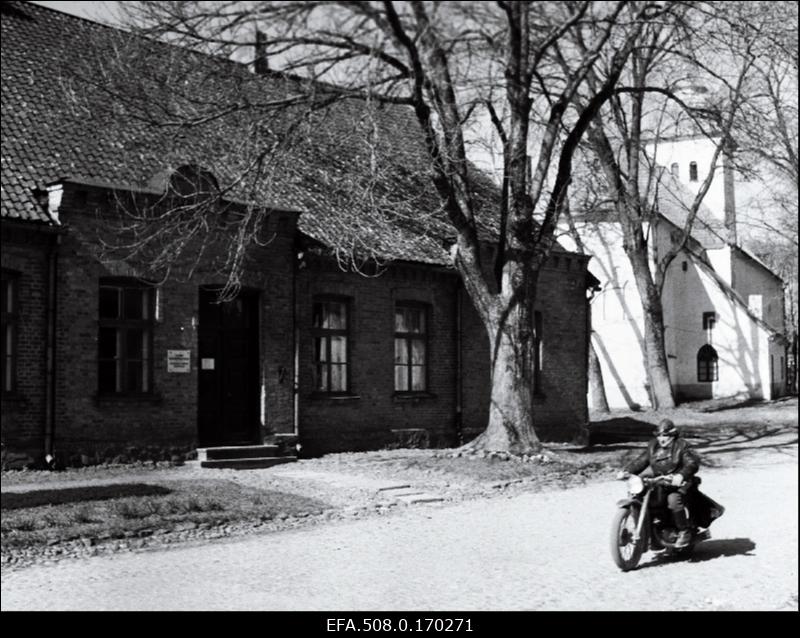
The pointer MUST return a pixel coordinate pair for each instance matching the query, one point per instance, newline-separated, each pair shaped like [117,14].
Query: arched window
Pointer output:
[675,169]
[692,171]
[707,364]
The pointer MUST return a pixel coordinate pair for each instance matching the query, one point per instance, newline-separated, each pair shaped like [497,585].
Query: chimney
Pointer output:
[261,61]
[729,193]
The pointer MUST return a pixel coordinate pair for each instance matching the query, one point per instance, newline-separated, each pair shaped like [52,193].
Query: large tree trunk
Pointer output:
[655,349]
[596,385]
[510,426]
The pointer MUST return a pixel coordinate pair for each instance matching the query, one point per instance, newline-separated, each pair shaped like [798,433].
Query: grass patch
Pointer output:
[36,498]
[159,507]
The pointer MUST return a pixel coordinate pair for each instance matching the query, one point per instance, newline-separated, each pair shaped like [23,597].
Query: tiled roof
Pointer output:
[48,136]
[664,195]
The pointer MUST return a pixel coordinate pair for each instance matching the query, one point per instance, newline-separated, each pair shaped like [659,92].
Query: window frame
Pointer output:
[10,322]
[327,333]
[122,325]
[409,338]
[538,352]
[707,367]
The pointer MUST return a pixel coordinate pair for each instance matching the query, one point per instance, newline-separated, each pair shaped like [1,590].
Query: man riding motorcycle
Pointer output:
[669,455]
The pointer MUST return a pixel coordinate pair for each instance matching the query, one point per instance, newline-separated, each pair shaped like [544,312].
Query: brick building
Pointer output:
[102,362]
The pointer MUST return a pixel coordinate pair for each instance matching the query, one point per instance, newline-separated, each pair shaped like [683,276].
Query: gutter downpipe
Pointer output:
[50,387]
[295,349]
[459,420]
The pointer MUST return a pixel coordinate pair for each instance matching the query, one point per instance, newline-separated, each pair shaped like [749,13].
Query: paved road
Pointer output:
[546,551]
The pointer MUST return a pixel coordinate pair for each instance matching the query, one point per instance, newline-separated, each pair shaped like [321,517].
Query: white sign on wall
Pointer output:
[179,361]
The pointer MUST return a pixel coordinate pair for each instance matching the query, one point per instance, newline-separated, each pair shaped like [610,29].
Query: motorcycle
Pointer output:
[640,524]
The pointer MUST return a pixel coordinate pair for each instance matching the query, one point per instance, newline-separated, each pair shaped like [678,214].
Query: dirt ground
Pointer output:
[380,483]
[721,431]
[523,550]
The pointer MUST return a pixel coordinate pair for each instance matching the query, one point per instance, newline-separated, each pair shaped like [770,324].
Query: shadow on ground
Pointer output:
[708,439]
[37,498]
[708,550]
[620,430]
[727,403]
[721,548]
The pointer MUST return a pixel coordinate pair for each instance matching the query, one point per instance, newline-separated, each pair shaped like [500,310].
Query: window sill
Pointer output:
[109,399]
[413,397]
[336,398]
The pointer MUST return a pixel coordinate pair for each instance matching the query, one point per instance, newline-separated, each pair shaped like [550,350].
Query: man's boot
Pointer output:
[682,524]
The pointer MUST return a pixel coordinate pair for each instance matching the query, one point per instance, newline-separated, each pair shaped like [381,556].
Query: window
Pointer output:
[537,352]
[410,348]
[10,323]
[125,341]
[709,320]
[330,334]
[693,171]
[675,169]
[707,364]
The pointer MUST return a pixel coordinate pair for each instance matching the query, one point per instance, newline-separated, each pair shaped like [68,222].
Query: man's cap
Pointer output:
[666,427]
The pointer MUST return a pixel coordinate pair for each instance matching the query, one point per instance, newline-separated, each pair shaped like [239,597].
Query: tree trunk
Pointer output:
[656,357]
[510,427]
[655,351]
[660,386]
[596,385]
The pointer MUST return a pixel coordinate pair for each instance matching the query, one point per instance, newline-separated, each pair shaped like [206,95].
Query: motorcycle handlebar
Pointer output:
[657,480]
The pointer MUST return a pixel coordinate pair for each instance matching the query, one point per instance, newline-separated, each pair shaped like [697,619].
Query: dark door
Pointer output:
[228,370]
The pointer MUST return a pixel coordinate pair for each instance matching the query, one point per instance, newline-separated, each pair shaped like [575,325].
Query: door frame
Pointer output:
[253,395]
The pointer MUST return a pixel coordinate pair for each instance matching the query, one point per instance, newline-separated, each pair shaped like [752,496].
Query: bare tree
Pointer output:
[767,138]
[448,64]
[650,100]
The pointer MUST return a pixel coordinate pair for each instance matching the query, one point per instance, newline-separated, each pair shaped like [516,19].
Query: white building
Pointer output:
[723,308]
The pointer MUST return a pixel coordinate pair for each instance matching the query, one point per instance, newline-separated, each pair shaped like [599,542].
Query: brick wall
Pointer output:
[166,422]
[23,412]
[560,408]
[104,428]
[365,419]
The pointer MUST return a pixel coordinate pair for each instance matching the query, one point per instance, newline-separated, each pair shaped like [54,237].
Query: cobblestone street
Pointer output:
[544,551]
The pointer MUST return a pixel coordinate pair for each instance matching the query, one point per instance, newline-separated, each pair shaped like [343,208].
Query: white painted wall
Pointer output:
[742,345]
[616,318]
[762,290]
[683,152]
[720,259]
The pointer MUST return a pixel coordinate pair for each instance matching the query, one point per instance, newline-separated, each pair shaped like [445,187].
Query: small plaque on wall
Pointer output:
[179,361]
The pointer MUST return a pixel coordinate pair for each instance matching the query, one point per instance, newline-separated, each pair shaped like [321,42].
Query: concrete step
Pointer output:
[247,463]
[237,452]
[410,495]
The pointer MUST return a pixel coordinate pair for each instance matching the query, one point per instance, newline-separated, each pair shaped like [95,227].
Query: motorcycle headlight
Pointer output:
[635,484]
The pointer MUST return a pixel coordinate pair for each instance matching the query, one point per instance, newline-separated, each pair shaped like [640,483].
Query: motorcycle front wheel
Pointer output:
[624,550]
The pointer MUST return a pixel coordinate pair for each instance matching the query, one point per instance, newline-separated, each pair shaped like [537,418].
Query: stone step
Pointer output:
[247,463]
[237,452]
[422,497]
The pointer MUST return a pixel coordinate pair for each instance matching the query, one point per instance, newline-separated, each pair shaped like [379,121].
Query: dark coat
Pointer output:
[678,458]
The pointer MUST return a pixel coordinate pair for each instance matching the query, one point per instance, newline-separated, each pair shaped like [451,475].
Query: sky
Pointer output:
[98,11]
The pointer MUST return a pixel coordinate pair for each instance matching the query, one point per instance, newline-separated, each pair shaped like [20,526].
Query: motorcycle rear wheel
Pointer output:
[624,550]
